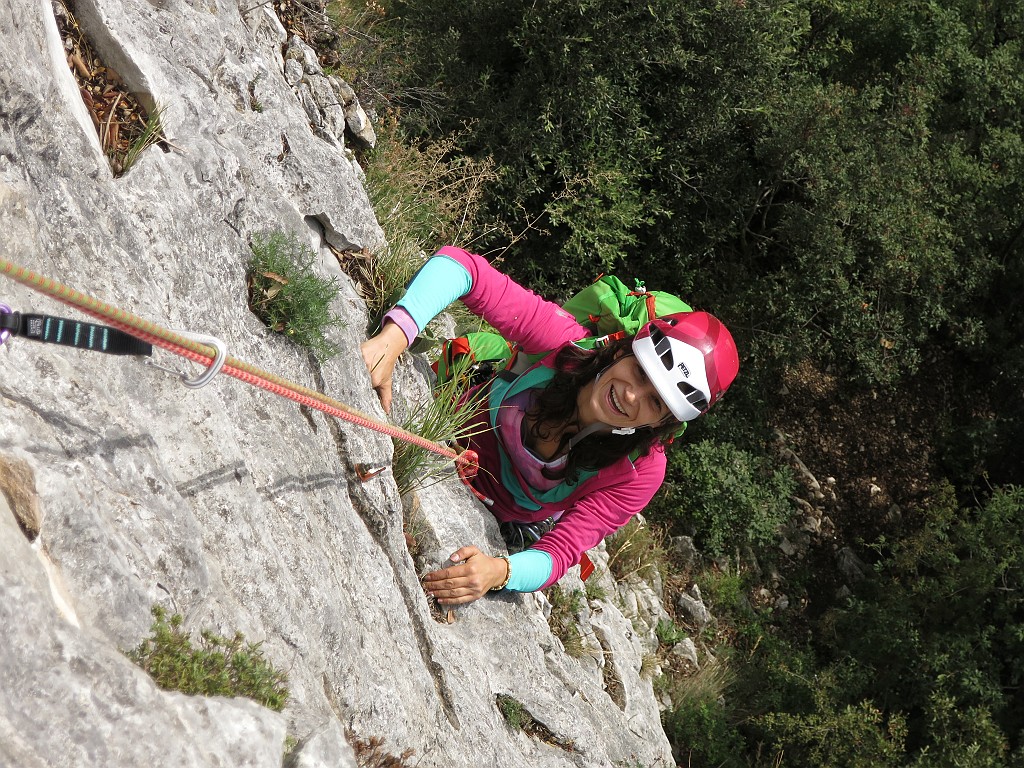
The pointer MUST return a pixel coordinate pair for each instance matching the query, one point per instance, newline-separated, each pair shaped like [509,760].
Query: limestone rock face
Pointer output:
[121,489]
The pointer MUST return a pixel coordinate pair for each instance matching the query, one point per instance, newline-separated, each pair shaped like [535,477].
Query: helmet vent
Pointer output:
[693,396]
[662,347]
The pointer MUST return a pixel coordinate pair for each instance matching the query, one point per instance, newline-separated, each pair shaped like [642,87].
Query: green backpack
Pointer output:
[607,308]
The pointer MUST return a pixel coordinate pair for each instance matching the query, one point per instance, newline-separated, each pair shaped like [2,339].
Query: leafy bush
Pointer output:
[939,631]
[287,295]
[216,666]
[726,590]
[854,736]
[668,633]
[702,736]
[919,668]
[727,496]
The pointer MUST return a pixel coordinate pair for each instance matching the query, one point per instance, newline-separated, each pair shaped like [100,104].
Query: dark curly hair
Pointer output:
[555,408]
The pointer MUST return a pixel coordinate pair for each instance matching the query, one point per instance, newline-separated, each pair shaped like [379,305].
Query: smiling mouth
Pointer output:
[615,403]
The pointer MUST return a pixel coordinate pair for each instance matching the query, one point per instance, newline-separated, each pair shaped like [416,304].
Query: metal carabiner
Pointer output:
[206,376]
[218,362]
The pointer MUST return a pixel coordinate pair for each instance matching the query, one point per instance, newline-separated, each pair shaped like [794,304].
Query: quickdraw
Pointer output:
[69,333]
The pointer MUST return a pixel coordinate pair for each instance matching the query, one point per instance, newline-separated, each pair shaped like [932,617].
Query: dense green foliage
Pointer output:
[215,666]
[842,182]
[727,496]
[921,666]
[837,180]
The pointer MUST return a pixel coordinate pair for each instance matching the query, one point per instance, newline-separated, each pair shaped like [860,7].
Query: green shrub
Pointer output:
[725,589]
[939,630]
[702,736]
[594,590]
[854,736]
[919,667]
[726,496]
[287,295]
[216,666]
[668,633]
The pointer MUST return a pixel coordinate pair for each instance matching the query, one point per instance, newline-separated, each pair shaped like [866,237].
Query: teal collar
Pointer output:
[525,495]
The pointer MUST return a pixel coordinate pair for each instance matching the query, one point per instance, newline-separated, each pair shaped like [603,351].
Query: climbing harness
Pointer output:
[210,352]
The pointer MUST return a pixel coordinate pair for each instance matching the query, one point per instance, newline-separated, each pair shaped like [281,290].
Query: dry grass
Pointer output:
[370,753]
[637,549]
[124,126]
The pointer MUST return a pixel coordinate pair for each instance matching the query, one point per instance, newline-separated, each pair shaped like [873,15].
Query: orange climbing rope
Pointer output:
[466,462]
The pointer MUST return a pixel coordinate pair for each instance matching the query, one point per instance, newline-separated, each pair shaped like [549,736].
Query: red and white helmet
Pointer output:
[691,359]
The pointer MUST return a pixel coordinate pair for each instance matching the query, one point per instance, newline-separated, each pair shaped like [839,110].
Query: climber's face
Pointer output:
[623,397]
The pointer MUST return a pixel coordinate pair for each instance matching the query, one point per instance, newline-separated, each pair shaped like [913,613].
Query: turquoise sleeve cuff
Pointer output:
[439,282]
[531,570]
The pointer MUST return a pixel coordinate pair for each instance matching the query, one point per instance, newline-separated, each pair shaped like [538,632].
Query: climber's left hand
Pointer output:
[473,577]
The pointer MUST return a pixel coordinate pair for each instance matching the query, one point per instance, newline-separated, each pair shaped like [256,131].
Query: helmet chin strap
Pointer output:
[598,426]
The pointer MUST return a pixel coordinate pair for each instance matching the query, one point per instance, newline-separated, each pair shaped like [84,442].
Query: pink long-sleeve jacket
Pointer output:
[601,504]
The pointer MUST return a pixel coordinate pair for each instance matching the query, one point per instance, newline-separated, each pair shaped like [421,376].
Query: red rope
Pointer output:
[467,462]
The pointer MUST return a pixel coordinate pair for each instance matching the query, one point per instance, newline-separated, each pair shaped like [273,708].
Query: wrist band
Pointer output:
[508,574]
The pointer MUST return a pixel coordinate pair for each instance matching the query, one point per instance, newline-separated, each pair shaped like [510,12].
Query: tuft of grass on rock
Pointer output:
[152,134]
[637,549]
[566,605]
[514,712]
[424,196]
[215,666]
[287,296]
[442,419]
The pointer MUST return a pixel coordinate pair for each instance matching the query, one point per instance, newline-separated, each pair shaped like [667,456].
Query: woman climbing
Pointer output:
[571,448]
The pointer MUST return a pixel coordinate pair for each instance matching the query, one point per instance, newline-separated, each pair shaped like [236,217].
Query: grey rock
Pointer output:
[298,51]
[359,124]
[225,504]
[68,698]
[346,94]
[293,72]
[686,649]
[326,747]
[331,108]
[694,612]
[684,551]
[851,566]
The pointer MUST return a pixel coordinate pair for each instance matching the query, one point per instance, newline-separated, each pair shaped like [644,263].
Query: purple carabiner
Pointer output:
[4,334]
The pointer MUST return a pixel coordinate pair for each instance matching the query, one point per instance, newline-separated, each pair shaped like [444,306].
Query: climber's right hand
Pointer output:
[380,354]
